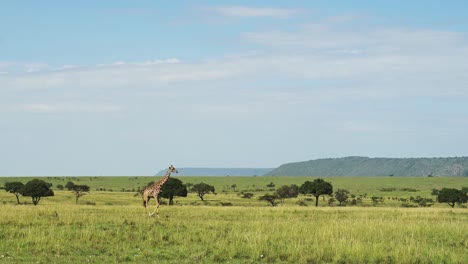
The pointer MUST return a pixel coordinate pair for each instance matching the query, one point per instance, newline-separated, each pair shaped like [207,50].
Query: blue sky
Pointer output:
[129,87]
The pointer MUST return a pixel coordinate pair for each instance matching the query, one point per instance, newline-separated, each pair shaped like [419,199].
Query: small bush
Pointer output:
[377,199]
[301,203]
[409,190]
[422,202]
[408,205]
[387,189]
[247,195]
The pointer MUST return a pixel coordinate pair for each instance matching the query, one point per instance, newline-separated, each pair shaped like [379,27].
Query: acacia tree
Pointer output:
[37,189]
[464,190]
[452,196]
[173,187]
[341,196]
[202,188]
[69,185]
[79,190]
[271,198]
[316,188]
[14,188]
[286,191]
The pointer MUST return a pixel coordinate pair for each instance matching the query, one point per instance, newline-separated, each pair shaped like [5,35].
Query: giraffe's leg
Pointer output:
[145,200]
[156,208]
[145,204]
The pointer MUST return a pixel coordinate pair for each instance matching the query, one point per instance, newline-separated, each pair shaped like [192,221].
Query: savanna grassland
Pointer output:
[111,227]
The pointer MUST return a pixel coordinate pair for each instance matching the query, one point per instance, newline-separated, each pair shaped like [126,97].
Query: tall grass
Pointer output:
[111,227]
[207,234]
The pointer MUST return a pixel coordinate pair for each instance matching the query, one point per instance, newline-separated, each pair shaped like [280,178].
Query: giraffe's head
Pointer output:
[173,169]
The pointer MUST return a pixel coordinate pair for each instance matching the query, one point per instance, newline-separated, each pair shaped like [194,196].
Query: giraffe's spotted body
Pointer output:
[154,189]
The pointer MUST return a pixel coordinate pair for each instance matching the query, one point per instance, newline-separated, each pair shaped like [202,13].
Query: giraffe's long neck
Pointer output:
[164,179]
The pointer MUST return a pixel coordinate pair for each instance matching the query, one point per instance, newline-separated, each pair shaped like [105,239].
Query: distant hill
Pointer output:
[219,171]
[364,166]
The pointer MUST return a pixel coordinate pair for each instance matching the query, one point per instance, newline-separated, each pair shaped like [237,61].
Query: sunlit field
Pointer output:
[369,186]
[111,226]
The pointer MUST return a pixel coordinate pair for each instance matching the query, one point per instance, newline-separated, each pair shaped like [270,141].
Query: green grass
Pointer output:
[205,234]
[111,227]
[369,185]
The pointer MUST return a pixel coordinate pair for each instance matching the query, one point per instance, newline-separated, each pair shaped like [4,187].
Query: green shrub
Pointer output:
[387,189]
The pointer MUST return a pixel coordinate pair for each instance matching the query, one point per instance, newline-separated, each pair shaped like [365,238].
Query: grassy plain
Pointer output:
[356,185]
[111,227]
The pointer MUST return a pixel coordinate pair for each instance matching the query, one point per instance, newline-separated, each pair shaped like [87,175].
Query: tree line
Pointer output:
[175,187]
[36,189]
[319,187]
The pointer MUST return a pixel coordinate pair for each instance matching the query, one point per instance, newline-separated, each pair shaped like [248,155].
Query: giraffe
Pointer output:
[154,189]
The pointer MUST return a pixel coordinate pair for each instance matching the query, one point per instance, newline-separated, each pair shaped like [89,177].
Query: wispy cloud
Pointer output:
[144,63]
[121,74]
[381,62]
[13,67]
[249,12]
[375,87]
[327,37]
[410,60]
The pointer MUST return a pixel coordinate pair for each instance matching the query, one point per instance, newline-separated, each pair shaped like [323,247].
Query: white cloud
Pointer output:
[385,62]
[408,59]
[345,18]
[243,11]
[327,37]
[30,67]
[145,63]
[66,67]
[318,81]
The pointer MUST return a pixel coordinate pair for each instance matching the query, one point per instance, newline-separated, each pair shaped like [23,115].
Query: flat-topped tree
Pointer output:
[287,191]
[69,185]
[452,196]
[316,188]
[202,188]
[173,187]
[79,190]
[14,188]
[270,198]
[37,189]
